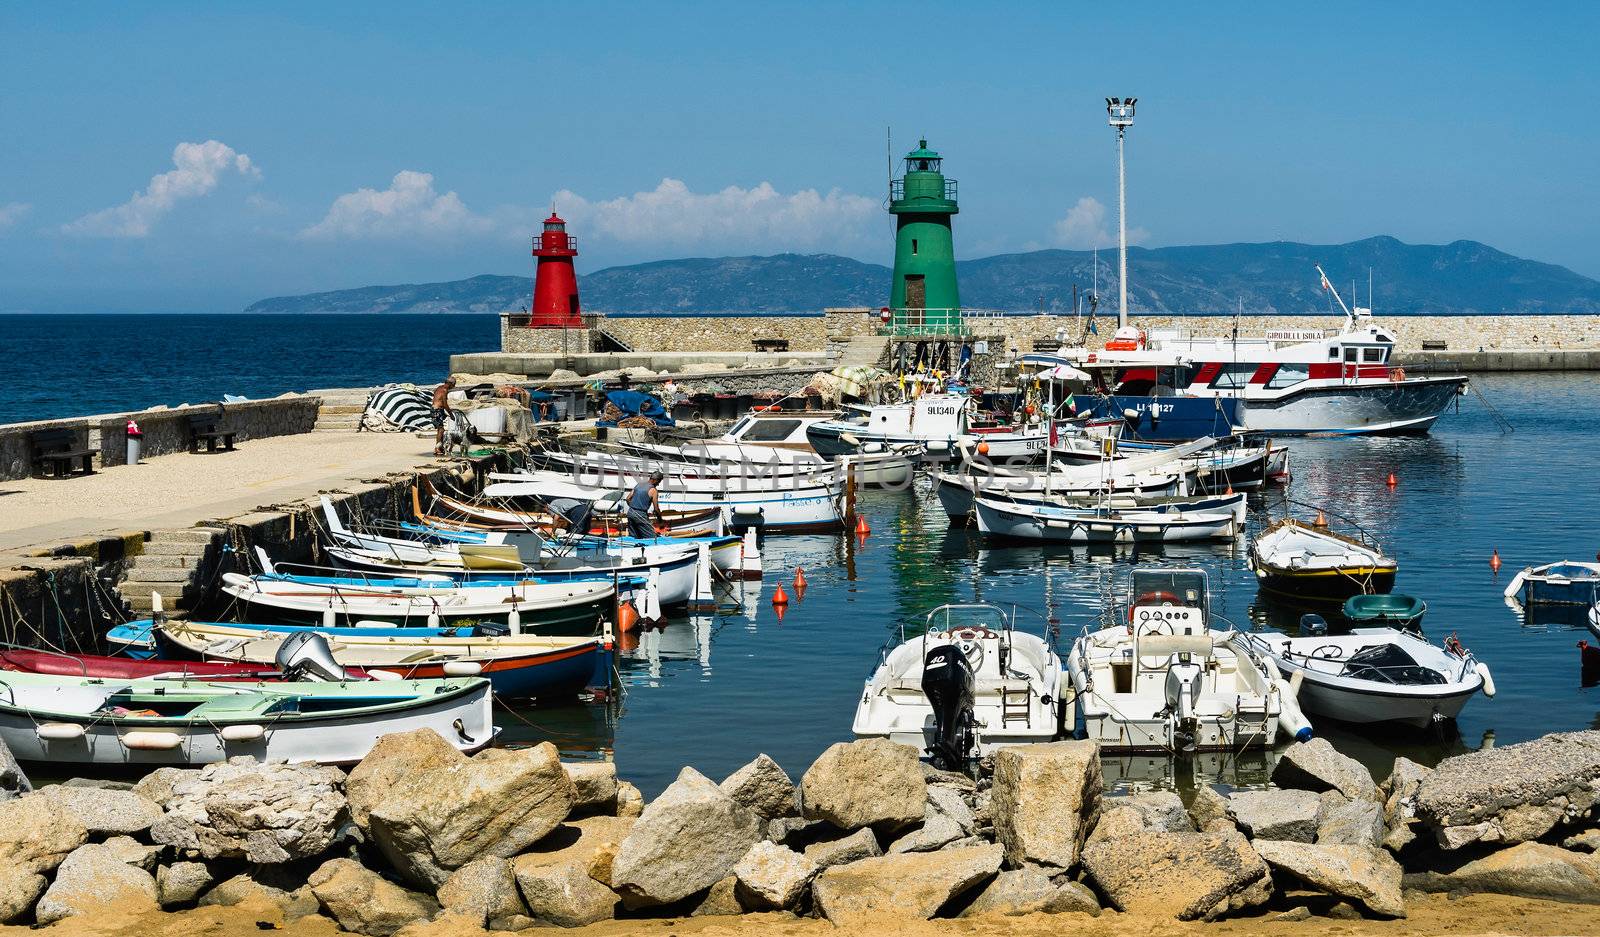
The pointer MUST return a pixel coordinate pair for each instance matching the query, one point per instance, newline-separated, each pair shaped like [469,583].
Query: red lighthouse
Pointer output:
[555,286]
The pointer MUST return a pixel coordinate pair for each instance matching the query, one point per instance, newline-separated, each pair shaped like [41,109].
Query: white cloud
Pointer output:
[200,167]
[755,219]
[1086,226]
[12,213]
[408,207]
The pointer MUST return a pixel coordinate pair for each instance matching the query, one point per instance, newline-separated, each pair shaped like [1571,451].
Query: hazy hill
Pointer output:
[1278,277]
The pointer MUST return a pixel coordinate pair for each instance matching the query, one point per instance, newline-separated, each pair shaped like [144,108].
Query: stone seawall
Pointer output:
[165,429]
[693,333]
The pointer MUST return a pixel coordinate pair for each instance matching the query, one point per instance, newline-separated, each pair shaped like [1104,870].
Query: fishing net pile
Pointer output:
[859,383]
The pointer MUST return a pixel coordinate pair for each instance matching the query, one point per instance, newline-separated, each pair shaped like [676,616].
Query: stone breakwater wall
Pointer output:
[509,840]
[694,333]
[166,429]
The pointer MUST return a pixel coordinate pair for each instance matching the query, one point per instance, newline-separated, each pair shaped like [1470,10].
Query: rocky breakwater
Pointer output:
[509,840]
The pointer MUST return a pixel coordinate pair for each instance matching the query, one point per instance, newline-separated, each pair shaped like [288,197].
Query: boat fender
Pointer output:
[462,668]
[371,623]
[147,741]
[1295,679]
[59,731]
[243,733]
[384,675]
[1515,585]
[747,510]
[1488,681]
[1291,720]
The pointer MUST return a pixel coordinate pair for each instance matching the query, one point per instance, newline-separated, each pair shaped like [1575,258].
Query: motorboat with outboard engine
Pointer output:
[1101,522]
[1376,675]
[1311,563]
[938,423]
[1167,681]
[968,684]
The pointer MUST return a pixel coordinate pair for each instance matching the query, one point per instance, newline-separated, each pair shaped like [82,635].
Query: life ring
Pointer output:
[1398,374]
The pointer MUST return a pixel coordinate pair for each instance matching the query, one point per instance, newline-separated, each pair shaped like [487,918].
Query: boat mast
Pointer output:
[1328,284]
[1120,115]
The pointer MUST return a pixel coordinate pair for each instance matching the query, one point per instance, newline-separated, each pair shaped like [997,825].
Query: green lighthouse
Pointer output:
[923,296]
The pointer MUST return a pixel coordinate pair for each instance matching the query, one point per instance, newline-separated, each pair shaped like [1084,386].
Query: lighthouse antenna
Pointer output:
[1119,112]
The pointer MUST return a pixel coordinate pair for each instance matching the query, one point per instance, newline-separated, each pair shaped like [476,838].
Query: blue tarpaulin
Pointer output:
[634,403]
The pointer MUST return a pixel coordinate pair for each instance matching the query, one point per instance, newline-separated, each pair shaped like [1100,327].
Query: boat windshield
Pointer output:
[952,617]
[1181,587]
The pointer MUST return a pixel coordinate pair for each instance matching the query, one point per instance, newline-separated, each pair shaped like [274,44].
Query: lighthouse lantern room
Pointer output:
[555,285]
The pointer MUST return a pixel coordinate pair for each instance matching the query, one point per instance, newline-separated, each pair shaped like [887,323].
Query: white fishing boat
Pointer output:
[1377,675]
[1099,522]
[937,423]
[1312,563]
[793,504]
[1166,681]
[879,466]
[969,684]
[1568,582]
[63,720]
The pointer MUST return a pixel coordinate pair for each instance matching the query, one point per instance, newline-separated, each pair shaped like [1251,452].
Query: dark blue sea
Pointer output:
[73,365]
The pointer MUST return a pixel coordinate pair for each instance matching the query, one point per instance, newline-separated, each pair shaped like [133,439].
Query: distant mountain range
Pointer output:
[1275,278]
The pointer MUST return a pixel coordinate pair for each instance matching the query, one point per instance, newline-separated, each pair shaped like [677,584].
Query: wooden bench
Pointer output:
[55,454]
[770,344]
[1435,346]
[203,429]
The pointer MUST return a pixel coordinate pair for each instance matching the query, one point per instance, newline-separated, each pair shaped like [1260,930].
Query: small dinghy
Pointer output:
[1377,675]
[968,684]
[1099,523]
[1310,563]
[330,719]
[1565,583]
[1167,682]
[1392,610]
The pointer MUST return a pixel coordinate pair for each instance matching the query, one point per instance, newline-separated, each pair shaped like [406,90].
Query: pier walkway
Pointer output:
[181,490]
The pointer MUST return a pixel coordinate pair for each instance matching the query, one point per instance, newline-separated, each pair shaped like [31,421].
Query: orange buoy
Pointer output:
[627,617]
[1229,491]
[1392,481]
[983,448]
[1494,561]
[799,579]
[1322,519]
[862,527]
[780,598]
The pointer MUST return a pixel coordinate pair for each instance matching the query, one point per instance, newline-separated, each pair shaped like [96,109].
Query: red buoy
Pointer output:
[780,597]
[1392,481]
[799,581]
[1494,561]
[862,527]
[983,448]
[627,617]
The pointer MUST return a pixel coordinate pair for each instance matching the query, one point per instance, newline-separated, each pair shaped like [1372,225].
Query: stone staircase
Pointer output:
[341,408]
[862,350]
[179,564]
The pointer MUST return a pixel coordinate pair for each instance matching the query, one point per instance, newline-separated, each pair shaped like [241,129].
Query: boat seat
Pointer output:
[236,704]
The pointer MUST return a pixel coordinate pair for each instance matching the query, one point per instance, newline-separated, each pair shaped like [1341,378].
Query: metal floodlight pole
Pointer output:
[1120,114]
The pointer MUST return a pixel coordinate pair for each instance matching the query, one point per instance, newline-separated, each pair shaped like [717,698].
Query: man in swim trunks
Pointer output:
[441,413]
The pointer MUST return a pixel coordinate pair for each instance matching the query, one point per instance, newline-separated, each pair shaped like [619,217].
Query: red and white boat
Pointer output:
[1290,382]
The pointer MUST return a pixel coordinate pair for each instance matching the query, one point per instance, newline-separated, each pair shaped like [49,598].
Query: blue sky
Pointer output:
[176,157]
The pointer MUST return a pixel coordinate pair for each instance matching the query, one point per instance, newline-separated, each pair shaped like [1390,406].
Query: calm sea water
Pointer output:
[73,365]
[713,691]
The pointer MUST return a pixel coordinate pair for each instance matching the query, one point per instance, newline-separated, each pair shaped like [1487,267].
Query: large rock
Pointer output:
[948,799]
[181,883]
[1182,875]
[91,878]
[1400,801]
[272,886]
[484,891]
[594,785]
[1349,822]
[936,832]
[105,812]
[1208,806]
[1512,794]
[861,844]
[1276,814]
[721,900]
[910,885]
[869,782]
[1528,870]
[19,891]
[160,784]
[135,853]
[1044,800]
[564,894]
[772,878]
[630,800]
[365,902]
[763,788]
[497,803]
[392,759]
[1028,890]
[13,782]
[578,840]
[1157,811]
[35,836]
[1317,766]
[687,840]
[1362,874]
[268,813]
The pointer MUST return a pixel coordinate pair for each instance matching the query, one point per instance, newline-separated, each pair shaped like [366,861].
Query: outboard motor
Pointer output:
[305,655]
[947,683]
[1313,625]
[1182,697]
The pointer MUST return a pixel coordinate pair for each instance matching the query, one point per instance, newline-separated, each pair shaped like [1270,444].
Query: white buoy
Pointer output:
[433,618]
[462,668]
[250,732]
[1488,681]
[144,740]
[1292,721]
[750,556]
[703,599]
[514,621]
[327,617]
[59,731]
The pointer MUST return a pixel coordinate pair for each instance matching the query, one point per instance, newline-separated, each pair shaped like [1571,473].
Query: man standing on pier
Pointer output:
[441,413]
[643,504]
